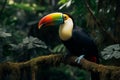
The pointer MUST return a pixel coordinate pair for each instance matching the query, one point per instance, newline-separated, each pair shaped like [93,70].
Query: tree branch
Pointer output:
[99,24]
[108,72]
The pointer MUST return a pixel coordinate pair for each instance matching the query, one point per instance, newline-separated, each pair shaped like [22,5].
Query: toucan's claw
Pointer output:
[78,59]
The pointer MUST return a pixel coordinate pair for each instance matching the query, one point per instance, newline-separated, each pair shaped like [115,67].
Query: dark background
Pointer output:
[19,20]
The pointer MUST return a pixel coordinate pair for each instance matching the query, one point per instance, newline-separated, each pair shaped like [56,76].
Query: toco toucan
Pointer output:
[75,39]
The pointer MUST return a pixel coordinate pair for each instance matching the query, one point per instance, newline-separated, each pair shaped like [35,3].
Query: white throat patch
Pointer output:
[65,30]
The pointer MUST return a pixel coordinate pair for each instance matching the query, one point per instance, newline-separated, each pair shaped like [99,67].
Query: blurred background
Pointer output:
[19,40]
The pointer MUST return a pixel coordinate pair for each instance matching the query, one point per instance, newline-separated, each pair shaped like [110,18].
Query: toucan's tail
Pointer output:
[95,75]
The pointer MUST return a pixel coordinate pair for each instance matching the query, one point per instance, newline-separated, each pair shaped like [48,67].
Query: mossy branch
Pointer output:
[15,70]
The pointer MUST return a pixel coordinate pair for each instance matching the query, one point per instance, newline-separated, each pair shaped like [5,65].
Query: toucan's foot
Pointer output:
[78,59]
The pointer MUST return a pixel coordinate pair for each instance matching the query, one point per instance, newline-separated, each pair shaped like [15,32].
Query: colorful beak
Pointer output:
[51,20]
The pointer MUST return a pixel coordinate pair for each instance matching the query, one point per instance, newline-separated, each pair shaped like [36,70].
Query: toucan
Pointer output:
[76,40]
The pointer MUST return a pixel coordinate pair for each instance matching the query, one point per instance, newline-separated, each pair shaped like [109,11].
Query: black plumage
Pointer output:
[82,44]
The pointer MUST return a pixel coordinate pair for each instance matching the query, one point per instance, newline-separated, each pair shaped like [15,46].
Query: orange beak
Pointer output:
[51,20]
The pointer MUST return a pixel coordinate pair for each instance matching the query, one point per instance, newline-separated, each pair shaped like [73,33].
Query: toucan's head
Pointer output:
[63,20]
[53,19]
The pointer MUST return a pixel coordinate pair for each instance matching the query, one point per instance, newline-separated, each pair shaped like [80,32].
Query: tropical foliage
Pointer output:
[20,42]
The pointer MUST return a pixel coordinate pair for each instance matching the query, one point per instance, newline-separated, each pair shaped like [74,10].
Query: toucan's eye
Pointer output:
[65,17]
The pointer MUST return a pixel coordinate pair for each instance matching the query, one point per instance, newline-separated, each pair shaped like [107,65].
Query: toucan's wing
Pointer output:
[82,37]
[85,41]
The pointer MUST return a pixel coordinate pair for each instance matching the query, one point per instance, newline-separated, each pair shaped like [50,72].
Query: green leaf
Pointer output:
[112,51]
[29,43]
[26,40]
[4,34]
[59,48]
[69,3]
[66,4]
[30,46]
[62,1]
